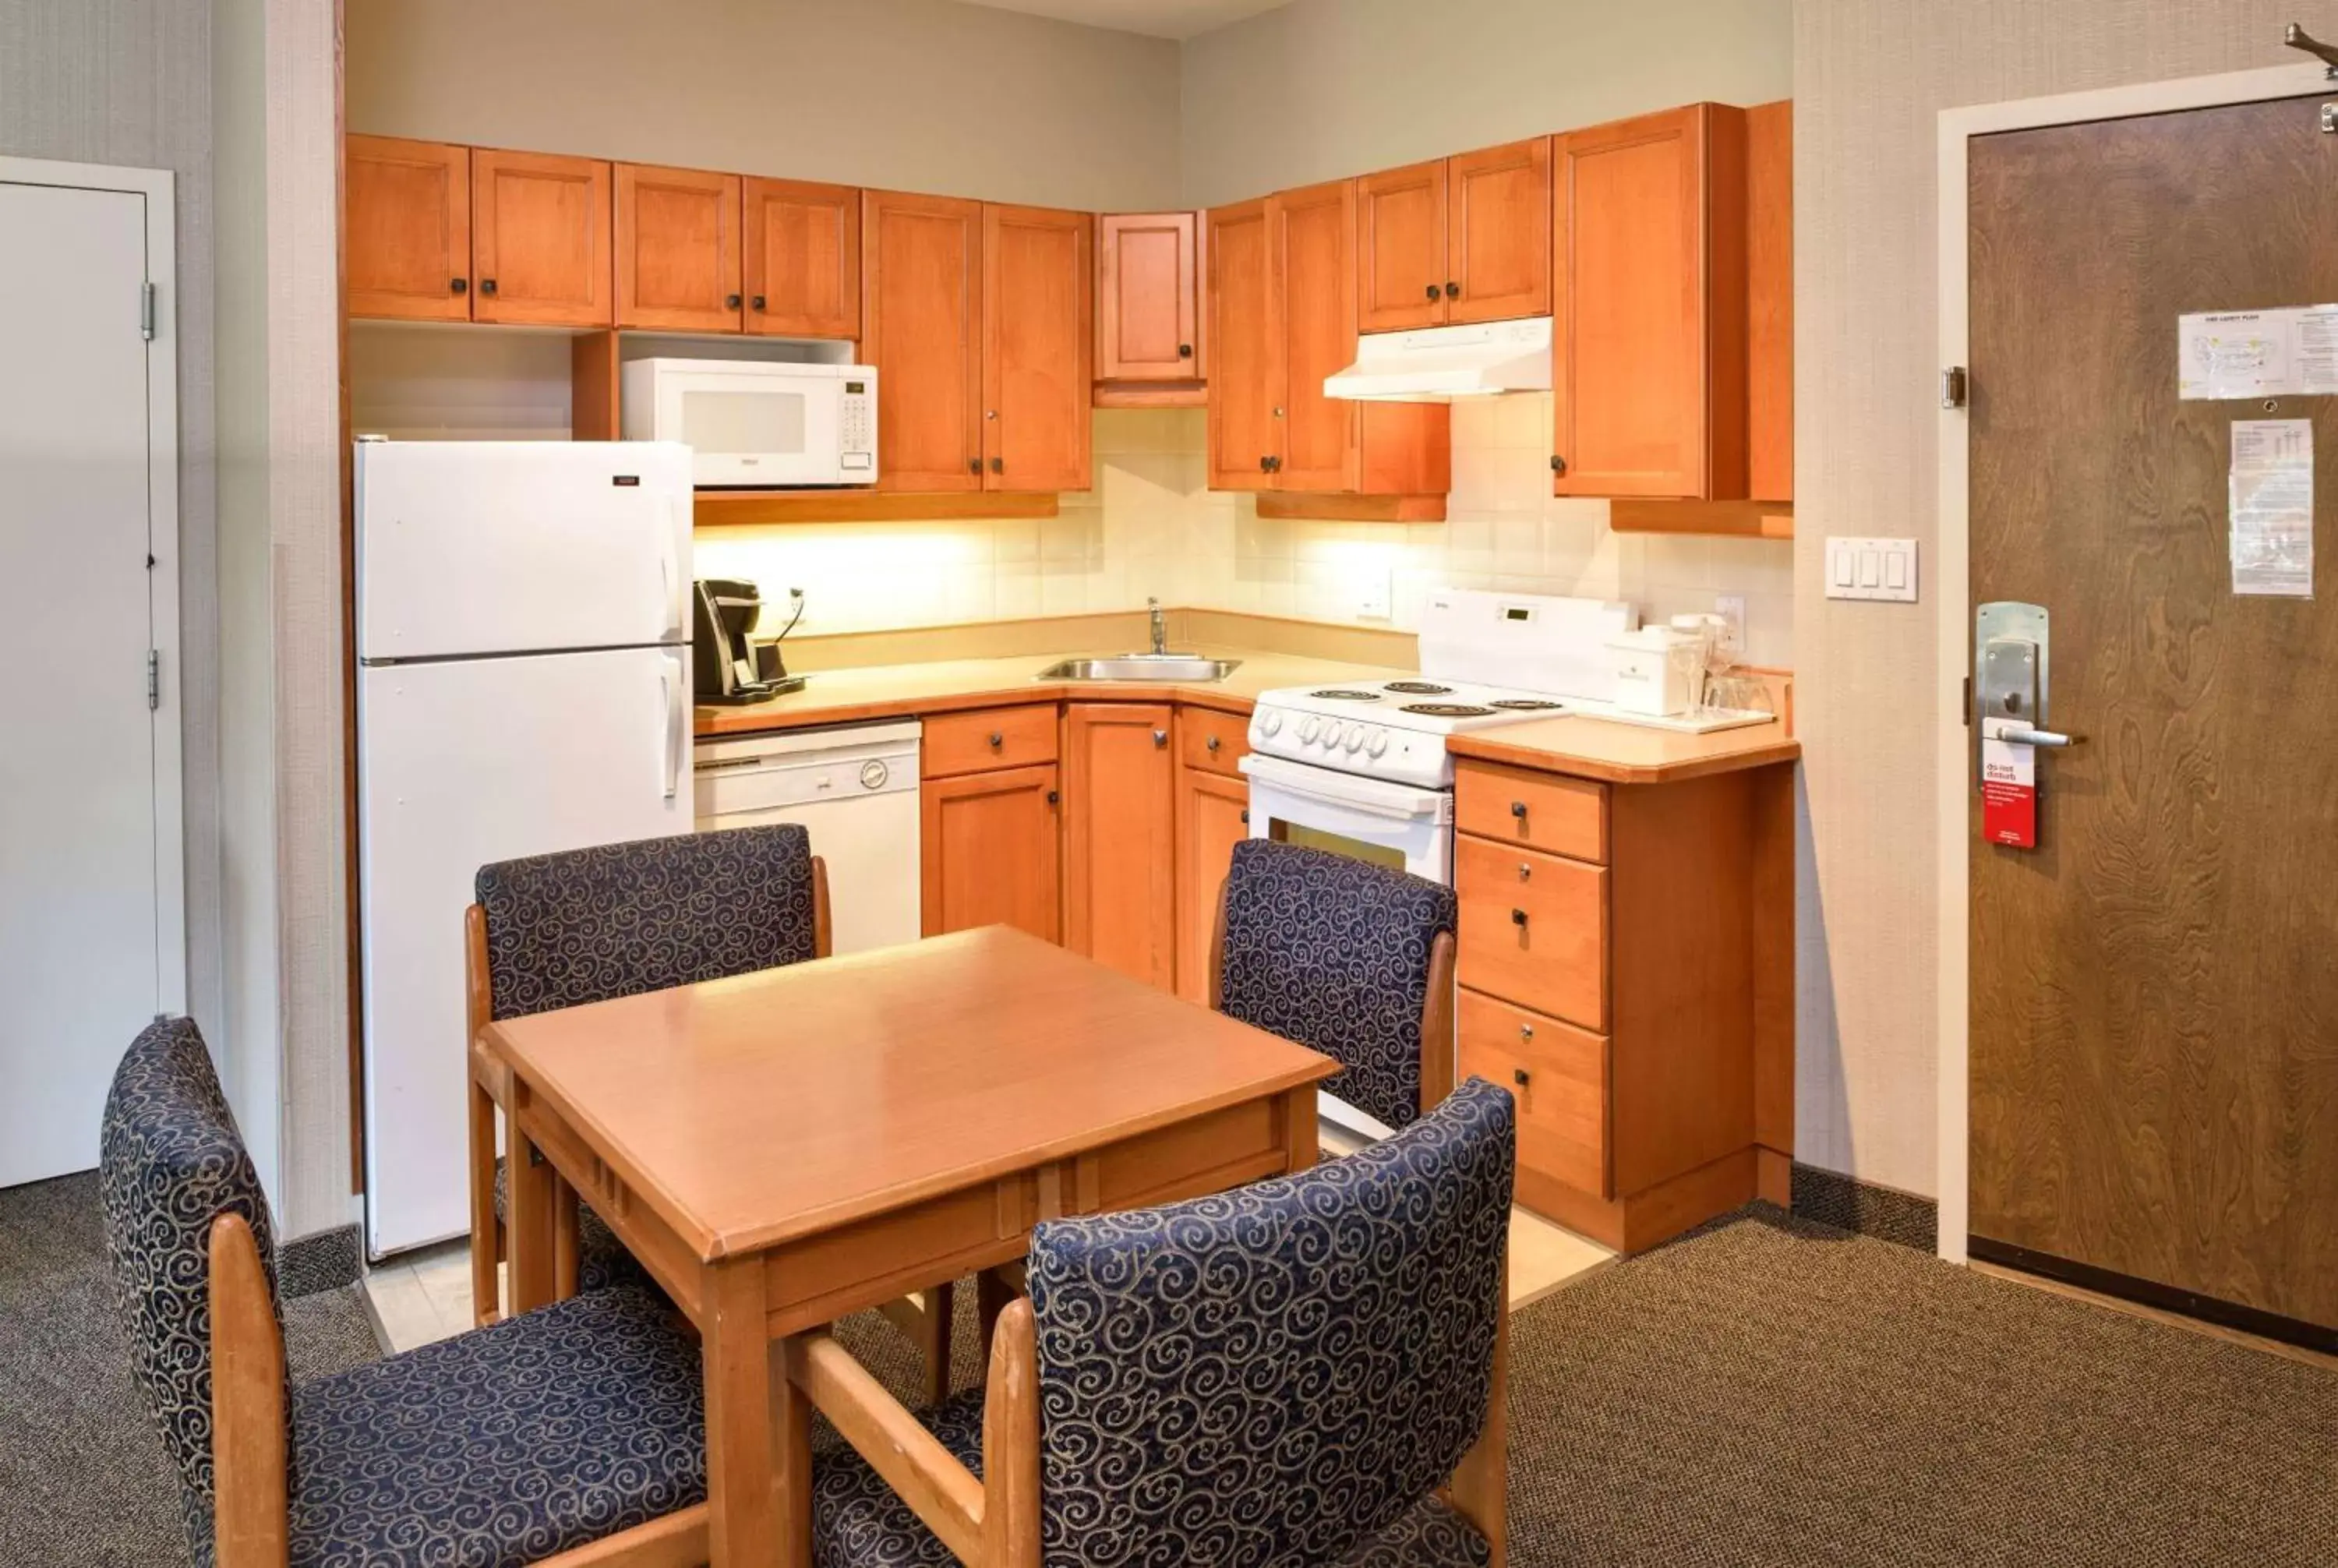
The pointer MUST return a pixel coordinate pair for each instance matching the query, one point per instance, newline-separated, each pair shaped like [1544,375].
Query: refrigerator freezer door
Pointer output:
[520,546]
[464,763]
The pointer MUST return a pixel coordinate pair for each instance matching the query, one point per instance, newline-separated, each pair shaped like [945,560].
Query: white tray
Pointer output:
[1703,722]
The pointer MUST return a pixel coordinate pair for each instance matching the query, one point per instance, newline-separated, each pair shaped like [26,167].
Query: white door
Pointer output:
[464,762]
[84,962]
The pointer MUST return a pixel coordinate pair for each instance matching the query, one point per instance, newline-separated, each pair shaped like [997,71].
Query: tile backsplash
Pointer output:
[1150,528]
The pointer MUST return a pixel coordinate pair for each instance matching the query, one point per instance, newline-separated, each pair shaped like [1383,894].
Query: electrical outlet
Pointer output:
[1731,607]
[1375,589]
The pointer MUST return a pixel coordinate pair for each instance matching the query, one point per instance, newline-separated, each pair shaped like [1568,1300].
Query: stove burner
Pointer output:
[1523,704]
[1344,695]
[1418,688]
[1449,710]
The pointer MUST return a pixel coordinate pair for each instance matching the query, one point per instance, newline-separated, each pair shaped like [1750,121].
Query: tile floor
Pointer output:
[423,1296]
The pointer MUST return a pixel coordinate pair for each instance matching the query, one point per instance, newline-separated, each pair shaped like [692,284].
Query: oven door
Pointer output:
[1396,825]
[757,426]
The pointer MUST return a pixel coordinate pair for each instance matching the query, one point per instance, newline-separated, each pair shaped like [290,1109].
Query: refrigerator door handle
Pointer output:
[670,690]
[670,565]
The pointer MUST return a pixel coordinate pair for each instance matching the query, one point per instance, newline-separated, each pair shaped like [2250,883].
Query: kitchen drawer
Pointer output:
[1547,811]
[989,737]
[1532,929]
[1210,739]
[1558,1076]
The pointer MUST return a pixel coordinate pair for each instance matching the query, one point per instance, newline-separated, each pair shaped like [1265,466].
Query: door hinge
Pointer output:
[154,678]
[1952,387]
[146,311]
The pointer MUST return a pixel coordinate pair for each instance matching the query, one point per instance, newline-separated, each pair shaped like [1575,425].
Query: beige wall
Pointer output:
[925,95]
[1324,88]
[1871,78]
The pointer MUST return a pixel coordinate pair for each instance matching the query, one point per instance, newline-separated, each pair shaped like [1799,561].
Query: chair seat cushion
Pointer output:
[858,1522]
[602,1261]
[504,1446]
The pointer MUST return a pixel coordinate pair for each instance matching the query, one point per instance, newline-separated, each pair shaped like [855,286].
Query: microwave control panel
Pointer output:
[855,434]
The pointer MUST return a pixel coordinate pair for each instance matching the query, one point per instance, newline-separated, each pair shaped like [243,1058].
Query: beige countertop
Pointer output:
[1583,747]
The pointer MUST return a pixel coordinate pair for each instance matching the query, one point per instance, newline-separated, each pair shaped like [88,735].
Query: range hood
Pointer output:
[1435,364]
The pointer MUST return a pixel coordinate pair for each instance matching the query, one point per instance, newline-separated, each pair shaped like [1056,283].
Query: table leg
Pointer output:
[564,1239]
[531,1225]
[1300,1147]
[757,1430]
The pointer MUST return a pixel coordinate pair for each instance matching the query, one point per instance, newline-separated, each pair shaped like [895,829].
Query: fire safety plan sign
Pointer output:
[2008,793]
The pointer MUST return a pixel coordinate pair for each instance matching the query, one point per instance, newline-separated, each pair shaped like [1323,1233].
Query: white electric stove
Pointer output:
[1362,767]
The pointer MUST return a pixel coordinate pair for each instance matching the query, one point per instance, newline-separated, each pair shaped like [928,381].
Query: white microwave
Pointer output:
[758,424]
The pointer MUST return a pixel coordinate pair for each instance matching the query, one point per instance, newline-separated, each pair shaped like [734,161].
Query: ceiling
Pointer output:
[1158,18]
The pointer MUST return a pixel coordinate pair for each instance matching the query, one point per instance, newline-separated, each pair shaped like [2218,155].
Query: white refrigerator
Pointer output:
[522,641]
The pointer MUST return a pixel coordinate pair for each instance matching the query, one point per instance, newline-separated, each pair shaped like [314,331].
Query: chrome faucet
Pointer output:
[1160,627]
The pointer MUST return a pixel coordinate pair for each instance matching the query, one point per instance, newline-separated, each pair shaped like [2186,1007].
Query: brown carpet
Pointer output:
[1772,1392]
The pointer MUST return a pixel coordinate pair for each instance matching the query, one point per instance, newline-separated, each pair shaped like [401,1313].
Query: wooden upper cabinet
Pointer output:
[802,270]
[1238,306]
[1120,860]
[1648,351]
[1036,316]
[540,239]
[1314,232]
[677,249]
[1770,300]
[407,229]
[922,328]
[1400,247]
[1498,233]
[1148,304]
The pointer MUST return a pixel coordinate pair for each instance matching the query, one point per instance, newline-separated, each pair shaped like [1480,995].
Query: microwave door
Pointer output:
[749,433]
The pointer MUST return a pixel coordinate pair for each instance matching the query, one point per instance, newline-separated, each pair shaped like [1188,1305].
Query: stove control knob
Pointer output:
[1380,742]
[1355,741]
[1270,722]
[1331,734]
[1307,727]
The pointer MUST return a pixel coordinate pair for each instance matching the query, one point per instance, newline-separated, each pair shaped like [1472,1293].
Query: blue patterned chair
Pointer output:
[1305,1372]
[574,1435]
[1351,959]
[587,925]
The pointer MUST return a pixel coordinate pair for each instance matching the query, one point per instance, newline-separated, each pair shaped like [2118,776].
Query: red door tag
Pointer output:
[2009,794]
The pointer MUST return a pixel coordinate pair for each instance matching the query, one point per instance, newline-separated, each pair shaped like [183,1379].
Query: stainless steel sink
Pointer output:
[1143,667]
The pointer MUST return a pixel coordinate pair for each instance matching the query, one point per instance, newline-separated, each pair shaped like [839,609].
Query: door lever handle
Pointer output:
[2020,736]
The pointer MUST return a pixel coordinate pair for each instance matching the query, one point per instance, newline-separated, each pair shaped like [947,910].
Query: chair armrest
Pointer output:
[939,1490]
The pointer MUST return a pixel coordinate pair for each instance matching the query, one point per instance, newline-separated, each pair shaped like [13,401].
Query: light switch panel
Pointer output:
[1871,569]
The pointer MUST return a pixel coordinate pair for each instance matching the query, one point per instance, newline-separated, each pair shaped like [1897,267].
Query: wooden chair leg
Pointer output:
[486,1230]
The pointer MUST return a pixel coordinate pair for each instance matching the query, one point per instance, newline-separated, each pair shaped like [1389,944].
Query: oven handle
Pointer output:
[1375,796]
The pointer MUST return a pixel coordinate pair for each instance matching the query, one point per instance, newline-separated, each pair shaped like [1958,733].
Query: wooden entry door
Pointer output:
[2154,1025]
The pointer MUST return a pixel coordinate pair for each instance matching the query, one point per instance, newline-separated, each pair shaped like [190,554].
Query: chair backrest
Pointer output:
[171,1162]
[1262,1378]
[587,925]
[1334,952]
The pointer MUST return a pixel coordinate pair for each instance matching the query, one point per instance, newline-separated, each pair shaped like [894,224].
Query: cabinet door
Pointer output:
[1400,247]
[1314,234]
[1499,249]
[1770,300]
[1213,816]
[1649,352]
[1245,361]
[1037,311]
[1119,863]
[802,259]
[922,328]
[1147,309]
[406,228]
[677,249]
[988,848]
[540,240]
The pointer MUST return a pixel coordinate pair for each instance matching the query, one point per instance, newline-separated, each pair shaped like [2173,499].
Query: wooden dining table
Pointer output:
[782,1148]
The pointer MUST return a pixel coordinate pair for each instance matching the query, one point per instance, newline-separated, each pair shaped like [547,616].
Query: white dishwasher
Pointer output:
[855,788]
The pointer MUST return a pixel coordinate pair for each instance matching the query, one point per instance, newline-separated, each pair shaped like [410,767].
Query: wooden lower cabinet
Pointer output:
[989,850]
[1640,1010]
[1120,859]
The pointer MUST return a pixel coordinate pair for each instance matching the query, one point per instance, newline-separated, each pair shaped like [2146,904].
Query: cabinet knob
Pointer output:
[757,301]
[1432,290]
[1557,464]
[487,285]
[974,465]
[1452,289]
[999,465]
[730,301]
[1518,1076]
[1211,744]
[458,285]
[1246,816]
[1518,809]
[1526,1031]
[1525,871]
[1161,737]
[1054,796]
[1278,413]
[1519,918]
[997,739]
[1184,350]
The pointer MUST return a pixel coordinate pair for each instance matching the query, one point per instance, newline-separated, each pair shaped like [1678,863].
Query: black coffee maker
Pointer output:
[727,667]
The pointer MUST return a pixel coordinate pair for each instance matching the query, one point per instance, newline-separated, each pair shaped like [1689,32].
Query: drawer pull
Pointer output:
[1211,744]
[1518,1075]
[996,739]
[1519,918]
[1526,1031]
[1518,809]
[1160,737]
[1525,871]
